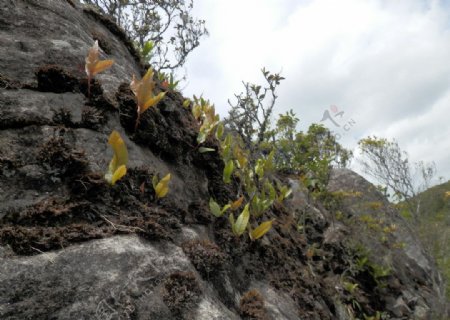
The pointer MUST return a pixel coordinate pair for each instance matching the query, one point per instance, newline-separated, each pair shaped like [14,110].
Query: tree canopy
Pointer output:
[165,31]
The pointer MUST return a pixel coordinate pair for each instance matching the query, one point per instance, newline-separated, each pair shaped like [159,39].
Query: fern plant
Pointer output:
[161,187]
[117,166]
[143,90]
[94,65]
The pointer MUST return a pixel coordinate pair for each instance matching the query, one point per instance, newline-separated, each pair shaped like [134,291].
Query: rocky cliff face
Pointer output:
[73,247]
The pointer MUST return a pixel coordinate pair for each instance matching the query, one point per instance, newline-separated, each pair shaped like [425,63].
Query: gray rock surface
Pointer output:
[116,278]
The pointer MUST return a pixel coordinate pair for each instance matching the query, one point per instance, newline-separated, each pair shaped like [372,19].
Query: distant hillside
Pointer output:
[434,228]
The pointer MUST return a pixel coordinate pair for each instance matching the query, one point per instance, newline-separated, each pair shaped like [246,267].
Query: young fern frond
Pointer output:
[94,65]
[143,90]
[117,166]
[238,227]
[161,187]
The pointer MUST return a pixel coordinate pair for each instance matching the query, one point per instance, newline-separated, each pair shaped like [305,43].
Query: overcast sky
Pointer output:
[386,64]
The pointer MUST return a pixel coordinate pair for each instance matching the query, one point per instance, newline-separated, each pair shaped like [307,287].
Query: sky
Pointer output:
[385,64]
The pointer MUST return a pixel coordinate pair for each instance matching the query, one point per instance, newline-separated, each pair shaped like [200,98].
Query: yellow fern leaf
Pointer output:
[236,204]
[118,174]
[143,90]
[261,230]
[117,165]
[162,188]
[93,64]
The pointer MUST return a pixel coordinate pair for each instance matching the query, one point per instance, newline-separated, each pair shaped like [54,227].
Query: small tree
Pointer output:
[164,30]
[310,154]
[250,115]
[387,163]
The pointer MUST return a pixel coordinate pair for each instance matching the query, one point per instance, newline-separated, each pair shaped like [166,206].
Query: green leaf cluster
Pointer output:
[205,113]
[310,154]
[168,81]
[254,183]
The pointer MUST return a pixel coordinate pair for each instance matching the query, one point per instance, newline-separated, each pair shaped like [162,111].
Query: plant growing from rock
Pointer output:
[255,186]
[261,230]
[168,82]
[216,210]
[164,31]
[205,113]
[94,65]
[240,225]
[117,166]
[161,187]
[143,90]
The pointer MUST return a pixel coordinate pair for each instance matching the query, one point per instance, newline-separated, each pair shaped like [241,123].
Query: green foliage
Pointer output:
[260,203]
[284,192]
[168,81]
[240,225]
[363,262]
[227,171]
[379,272]
[205,113]
[164,31]
[253,179]
[250,116]
[349,286]
[146,50]
[204,149]
[377,316]
[253,149]
[310,154]
[215,208]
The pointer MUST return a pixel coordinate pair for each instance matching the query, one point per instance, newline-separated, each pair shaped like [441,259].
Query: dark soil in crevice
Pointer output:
[206,257]
[52,78]
[181,293]
[58,156]
[55,223]
[252,306]
[88,208]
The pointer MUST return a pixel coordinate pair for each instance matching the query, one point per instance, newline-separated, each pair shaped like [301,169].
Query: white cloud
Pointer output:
[386,63]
